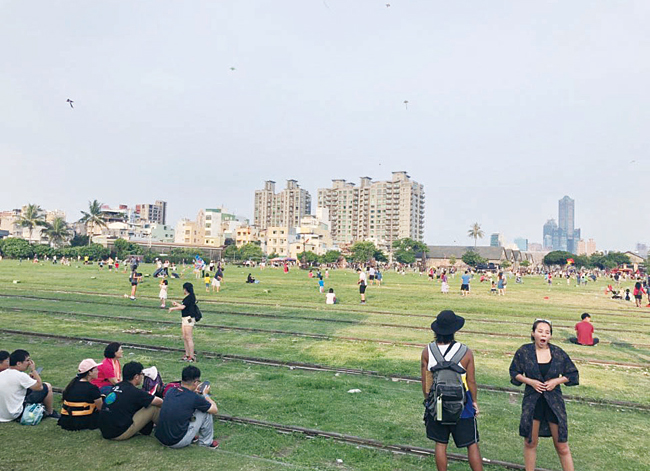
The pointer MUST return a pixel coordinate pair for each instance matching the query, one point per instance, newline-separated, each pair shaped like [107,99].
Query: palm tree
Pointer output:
[31,216]
[93,218]
[58,231]
[475,232]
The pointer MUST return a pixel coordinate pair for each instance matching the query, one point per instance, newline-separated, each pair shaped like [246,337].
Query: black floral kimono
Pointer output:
[525,363]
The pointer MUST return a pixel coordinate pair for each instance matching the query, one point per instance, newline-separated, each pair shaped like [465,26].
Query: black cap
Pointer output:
[447,323]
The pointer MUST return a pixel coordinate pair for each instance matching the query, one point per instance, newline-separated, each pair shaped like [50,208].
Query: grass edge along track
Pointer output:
[317,367]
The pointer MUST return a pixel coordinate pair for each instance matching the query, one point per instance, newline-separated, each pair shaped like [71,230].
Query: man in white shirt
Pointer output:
[18,388]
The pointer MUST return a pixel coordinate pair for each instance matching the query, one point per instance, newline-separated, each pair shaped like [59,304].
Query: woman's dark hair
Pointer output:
[189,287]
[536,323]
[441,338]
[331,290]
[75,380]
[111,349]
[164,282]
[637,285]
[3,355]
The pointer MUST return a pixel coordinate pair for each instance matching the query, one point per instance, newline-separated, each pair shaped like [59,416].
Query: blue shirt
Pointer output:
[465,279]
[176,412]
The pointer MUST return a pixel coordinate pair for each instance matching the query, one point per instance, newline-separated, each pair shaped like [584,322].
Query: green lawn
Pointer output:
[601,437]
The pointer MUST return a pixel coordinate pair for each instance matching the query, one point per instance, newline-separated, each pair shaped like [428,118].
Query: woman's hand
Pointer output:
[538,385]
[551,383]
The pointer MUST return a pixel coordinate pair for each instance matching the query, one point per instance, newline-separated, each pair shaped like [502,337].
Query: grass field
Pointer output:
[239,320]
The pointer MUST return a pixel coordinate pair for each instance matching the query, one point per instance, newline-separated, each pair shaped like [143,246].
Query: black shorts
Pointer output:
[465,432]
[544,412]
[372,277]
[362,289]
[36,397]
[464,287]
[638,296]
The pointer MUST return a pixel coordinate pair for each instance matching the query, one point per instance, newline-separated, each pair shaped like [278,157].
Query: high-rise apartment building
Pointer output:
[497,240]
[381,212]
[285,208]
[586,247]
[153,213]
[522,244]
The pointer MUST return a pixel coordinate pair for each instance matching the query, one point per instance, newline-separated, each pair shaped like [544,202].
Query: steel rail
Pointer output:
[319,336]
[316,367]
[325,319]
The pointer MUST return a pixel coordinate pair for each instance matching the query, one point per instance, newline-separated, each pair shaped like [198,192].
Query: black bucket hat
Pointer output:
[447,323]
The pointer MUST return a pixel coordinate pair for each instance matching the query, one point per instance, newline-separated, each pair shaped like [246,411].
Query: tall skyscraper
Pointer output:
[381,212]
[522,244]
[496,240]
[283,209]
[562,236]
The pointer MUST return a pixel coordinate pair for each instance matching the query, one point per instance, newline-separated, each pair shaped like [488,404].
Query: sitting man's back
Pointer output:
[186,413]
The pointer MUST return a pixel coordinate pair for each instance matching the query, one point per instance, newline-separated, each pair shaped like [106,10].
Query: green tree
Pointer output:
[94,252]
[231,253]
[452,261]
[363,251]
[505,264]
[273,255]
[251,251]
[331,256]
[79,241]
[309,257]
[93,218]
[57,231]
[31,217]
[525,263]
[406,250]
[557,257]
[475,232]
[13,247]
[472,258]
[123,248]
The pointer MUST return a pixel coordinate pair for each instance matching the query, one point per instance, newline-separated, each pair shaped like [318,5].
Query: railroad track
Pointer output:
[354,440]
[326,319]
[636,315]
[315,336]
[317,367]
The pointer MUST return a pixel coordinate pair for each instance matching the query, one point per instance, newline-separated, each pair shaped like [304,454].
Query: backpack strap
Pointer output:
[435,351]
[458,356]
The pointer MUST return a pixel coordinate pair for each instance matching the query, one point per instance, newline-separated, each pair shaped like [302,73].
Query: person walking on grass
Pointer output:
[188,320]
[465,429]
[638,293]
[187,415]
[163,293]
[362,285]
[465,281]
[543,367]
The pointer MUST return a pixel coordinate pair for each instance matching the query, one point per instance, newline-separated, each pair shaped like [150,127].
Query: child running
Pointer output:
[207,282]
[163,293]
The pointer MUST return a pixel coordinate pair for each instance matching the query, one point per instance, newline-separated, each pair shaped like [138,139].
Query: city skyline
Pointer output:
[510,106]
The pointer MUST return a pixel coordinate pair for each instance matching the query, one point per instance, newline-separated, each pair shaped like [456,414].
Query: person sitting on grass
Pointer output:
[82,400]
[187,413]
[250,278]
[330,297]
[585,332]
[128,409]
[18,388]
[110,370]
[4,360]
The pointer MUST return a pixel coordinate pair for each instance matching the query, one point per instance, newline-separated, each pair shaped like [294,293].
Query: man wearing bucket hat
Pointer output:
[450,352]
[82,400]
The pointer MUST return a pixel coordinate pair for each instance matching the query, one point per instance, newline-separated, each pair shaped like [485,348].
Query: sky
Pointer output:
[511,106]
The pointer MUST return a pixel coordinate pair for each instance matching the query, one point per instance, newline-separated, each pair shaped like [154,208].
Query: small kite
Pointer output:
[233,69]
[71,102]
[388,5]
[406,104]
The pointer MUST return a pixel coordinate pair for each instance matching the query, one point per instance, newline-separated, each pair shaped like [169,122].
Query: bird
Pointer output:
[406,103]
[70,101]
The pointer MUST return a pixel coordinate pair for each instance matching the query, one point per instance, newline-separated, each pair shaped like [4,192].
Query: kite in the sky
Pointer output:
[406,103]
[70,101]
[388,5]
[233,69]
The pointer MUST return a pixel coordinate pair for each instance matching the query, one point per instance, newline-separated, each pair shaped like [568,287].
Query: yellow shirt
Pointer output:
[207,279]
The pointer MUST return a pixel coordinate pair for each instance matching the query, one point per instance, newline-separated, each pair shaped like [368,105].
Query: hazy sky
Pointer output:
[512,105]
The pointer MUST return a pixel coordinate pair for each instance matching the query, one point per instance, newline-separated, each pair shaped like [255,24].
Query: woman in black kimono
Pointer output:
[543,367]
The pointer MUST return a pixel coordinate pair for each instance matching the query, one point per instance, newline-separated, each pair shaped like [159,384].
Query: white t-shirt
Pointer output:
[13,389]
[362,278]
[330,298]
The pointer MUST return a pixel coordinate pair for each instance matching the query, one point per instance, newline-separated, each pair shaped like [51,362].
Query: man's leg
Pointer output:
[596,340]
[474,457]
[206,427]
[573,340]
[49,398]
[441,456]
[140,420]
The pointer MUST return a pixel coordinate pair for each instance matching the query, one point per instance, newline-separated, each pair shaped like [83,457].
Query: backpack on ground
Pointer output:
[33,414]
[447,398]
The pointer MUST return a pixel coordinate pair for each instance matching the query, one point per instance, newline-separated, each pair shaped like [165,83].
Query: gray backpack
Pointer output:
[446,399]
